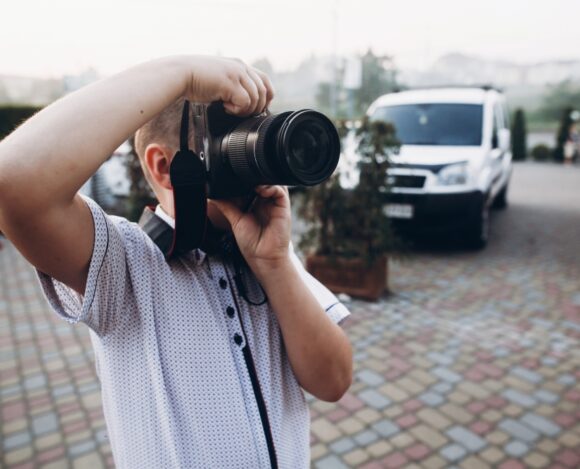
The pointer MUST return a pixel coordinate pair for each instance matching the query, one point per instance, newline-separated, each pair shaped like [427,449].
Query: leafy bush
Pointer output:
[541,152]
[519,145]
[351,223]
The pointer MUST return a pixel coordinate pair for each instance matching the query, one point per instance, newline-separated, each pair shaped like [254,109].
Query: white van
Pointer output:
[454,162]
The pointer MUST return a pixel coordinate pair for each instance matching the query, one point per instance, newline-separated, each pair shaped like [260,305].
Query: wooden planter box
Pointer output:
[351,276]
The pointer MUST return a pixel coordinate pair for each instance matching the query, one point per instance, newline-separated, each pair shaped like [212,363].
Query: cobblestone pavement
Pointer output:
[472,361]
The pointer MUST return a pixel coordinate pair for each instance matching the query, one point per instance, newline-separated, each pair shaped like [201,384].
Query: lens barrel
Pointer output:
[290,148]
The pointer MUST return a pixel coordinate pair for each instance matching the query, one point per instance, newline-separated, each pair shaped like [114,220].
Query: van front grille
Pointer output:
[406,181]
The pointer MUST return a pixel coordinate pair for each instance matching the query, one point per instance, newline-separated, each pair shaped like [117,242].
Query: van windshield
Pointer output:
[434,123]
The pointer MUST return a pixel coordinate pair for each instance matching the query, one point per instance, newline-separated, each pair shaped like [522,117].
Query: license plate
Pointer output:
[399,210]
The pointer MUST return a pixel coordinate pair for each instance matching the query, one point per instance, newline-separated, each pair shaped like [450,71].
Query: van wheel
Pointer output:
[500,200]
[477,234]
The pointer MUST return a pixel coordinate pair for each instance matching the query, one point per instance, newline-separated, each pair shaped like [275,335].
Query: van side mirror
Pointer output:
[503,139]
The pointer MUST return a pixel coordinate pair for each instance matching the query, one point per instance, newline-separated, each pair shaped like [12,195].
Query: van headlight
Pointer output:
[452,175]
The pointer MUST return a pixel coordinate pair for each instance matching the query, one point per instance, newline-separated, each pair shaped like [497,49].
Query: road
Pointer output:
[472,361]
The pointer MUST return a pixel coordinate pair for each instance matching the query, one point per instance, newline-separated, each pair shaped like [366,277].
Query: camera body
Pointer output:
[239,153]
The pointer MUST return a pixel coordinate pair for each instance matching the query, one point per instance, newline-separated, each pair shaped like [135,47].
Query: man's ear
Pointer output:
[158,160]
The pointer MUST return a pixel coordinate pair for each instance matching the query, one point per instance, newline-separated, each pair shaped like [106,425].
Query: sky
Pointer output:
[51,38]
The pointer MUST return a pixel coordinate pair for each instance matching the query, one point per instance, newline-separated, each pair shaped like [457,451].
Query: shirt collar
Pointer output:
[196,254]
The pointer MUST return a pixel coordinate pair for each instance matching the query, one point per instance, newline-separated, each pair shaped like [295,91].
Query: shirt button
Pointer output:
[223,283]
[230,311]
[238,339]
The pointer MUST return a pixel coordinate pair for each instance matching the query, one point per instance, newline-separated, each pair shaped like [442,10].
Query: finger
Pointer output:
[252,90]
[262,91]
[229,210]
[268,84]
[275,193]
[238,102]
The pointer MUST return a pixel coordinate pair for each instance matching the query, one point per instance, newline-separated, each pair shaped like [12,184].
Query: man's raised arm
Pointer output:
[46,160]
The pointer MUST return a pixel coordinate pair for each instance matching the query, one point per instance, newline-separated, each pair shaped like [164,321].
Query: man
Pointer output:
[191,375]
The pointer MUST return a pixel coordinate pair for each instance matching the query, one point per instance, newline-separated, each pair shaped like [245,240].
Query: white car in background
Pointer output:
[454,162]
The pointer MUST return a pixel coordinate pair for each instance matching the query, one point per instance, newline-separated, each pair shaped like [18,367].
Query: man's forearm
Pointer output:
[319,351]
[54,153]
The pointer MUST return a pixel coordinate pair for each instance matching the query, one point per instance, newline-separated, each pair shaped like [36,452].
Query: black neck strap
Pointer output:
[188,180]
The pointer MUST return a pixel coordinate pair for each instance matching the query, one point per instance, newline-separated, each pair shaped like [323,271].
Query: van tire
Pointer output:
[500,201]
[477,233]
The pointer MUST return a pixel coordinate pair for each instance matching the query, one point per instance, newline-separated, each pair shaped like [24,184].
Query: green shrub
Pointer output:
[542,152]
[519,145]
[12,116]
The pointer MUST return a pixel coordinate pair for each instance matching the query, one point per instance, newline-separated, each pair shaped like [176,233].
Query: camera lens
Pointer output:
[291,148]
[308,148]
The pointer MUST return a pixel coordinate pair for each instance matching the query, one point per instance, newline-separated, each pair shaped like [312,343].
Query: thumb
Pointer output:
[229,210]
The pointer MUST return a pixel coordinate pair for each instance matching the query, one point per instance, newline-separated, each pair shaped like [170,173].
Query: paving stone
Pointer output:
[35,382]
[446,374]
[428,435]
[366,437]
[516,449]
[394,392]
[526,374]
[386,428]
[536,460]
[81,448]
[370,377]
[317,451]
[356,457]
[89,461]
[546,396]
[519,431]
[466,438]
[379,449]
[45,423]
[440,358]
[324,430]
[368,415]
[518,397]
[63,390]
[330,462]
[374,399]
[16,440]
[453,452]
[343,445]
[434,418]
[442,388]
[432,399]
[474,462]
[541,424]
[492,455]
[566,380]
[456,413]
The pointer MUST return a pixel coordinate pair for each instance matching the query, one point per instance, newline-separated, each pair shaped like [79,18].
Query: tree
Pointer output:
[378,78]
[565,94]
[519,137]
[563,134]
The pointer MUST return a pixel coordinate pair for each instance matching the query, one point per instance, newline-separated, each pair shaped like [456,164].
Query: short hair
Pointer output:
[163,129]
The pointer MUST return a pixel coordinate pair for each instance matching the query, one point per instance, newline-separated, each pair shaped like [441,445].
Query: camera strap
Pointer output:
[188,181]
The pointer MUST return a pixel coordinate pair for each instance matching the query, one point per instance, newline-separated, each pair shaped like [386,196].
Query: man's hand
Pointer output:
[243,89]
[318,349]
[262,233]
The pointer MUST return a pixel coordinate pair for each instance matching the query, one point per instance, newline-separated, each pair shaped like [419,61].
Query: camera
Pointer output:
[299,148]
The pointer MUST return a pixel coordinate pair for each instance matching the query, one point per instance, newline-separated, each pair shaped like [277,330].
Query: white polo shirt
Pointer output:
[192,375]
